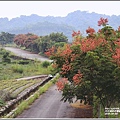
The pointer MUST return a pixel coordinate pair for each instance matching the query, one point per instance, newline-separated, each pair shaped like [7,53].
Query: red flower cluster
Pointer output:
[91,44]
[77,78]
[116,57]
[50,51]
[61,83]
[66,68]
[73,57]
[90,31]
[102,21]
[67,51]
[75,33]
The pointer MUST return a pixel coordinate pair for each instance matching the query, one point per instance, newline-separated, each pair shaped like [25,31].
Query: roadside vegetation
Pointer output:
[12,67]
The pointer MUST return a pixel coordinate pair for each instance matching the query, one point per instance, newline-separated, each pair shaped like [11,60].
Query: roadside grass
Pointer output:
[26,103]
[16,70]
[18,67]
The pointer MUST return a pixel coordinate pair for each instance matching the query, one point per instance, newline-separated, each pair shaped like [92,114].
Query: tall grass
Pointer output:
[17,68]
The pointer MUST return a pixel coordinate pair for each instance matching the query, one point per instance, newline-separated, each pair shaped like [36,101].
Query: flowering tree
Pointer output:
[25,40]
[90,66]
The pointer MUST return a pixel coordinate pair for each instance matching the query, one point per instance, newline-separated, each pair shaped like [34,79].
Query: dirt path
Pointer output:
[26,54]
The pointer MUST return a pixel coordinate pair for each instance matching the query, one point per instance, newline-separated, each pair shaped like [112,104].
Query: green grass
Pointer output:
[15,69]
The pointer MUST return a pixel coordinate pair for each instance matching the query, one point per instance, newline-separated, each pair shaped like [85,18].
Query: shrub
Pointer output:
[6,57]
[6,60]
[45,64]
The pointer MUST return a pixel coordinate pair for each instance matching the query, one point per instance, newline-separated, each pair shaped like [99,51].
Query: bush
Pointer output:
[45,64]
[6,60]
[5,57]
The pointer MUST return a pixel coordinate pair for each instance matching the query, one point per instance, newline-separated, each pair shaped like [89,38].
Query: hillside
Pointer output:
[77,20]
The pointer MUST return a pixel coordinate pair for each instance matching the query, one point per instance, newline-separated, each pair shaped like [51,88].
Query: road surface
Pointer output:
[26,54]
[49,106]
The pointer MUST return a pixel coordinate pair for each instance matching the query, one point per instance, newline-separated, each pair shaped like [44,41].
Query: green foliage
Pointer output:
[45,64]
[23,62]
[59,44]
[6,60]
[58,37]
[6,38]
[44,43]
[54,39]
[5,57]
[21,68]
[2,103]
[17,68]
[91,67]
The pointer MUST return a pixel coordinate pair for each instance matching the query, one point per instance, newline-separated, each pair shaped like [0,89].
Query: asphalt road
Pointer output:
[26,54]
[49,106]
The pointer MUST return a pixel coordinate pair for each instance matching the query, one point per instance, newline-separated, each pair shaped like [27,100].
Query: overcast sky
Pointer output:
[12,9]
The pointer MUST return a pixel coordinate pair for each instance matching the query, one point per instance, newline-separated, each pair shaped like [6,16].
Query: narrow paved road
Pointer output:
[49,106]
[26,54]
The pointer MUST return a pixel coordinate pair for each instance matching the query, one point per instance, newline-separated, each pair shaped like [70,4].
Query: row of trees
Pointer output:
[35,43]
[40,44]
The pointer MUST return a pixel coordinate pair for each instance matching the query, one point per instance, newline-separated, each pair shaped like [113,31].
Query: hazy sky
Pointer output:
[12,9]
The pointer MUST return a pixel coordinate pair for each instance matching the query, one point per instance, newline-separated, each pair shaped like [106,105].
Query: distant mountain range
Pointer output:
[77,20]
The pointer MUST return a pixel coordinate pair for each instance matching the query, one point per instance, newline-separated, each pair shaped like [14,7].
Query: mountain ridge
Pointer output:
[76,20]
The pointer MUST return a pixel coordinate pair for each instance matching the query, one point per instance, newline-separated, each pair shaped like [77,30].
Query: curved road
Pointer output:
[26,54]
[48,105]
